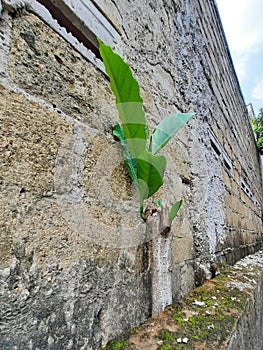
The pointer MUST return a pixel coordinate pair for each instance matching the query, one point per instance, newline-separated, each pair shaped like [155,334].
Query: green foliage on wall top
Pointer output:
[257,125]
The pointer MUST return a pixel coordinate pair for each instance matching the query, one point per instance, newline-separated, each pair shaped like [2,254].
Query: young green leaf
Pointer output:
[174,210]
[159,203]
[119,133]
[150,171]
[128,99]
[166,129]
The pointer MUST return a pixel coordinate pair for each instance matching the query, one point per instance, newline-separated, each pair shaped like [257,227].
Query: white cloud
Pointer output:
[257,92]
[243,25]
[240,63]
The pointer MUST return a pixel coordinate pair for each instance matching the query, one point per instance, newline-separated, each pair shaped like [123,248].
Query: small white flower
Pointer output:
[211,326]
[185,340]
[233,298]
[214,298]
[199,303]
[179,340]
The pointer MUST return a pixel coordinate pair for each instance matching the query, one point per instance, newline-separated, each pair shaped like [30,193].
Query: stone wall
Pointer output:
[75,265]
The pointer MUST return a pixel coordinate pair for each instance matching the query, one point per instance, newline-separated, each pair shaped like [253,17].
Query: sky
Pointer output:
[243,25]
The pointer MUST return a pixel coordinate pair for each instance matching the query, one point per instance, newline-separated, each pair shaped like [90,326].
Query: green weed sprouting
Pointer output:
[145,167]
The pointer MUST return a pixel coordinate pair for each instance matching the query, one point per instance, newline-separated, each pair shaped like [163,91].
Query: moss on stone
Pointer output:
[166,335]
[119,344]
[165,347]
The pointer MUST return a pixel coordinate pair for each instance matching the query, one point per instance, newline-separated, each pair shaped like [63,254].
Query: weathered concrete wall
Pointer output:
[74,265]
[58,288]
[186,67]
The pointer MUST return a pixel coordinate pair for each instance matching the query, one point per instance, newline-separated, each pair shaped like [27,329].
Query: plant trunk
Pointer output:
[159,227]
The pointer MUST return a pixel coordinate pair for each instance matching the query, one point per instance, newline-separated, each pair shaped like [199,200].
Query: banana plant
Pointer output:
[145,167]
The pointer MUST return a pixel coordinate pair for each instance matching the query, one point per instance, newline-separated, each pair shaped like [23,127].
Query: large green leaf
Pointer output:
[150,171]
[129,160]
[174,210]
[128,99]
[146,171]
[166,129]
